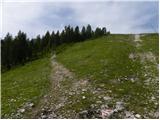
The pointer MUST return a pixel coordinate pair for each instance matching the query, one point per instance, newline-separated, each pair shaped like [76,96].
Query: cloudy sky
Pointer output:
[117,16]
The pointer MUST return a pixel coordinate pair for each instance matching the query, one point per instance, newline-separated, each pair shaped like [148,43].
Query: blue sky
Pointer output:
[117,16]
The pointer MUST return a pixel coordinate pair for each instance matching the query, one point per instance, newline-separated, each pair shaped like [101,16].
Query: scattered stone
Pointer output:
[119,106]
[109,91]
[84,90]
[83,97]
[99,97]
[106,98]
[138,116]
[153,98]
[13,100]
[59,105]
[31,104]
[106,113]
[21,110]
[132,80]
[156,115]
[98,89]
[99,102]
[104,106]
[52,116]
[131,56]
[94,92]
[102,85]
[129,115]
[70,93]
[44,116]
[83,114]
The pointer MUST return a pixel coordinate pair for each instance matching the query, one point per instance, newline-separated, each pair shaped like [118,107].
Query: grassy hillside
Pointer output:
[115,72]
[118,64]
[24,84]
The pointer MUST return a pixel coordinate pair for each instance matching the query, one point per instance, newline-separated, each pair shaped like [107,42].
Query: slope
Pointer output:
[122,70]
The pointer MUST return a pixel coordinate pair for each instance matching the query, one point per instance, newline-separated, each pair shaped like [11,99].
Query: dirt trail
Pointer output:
[64,84]
[137,40]
[55,99]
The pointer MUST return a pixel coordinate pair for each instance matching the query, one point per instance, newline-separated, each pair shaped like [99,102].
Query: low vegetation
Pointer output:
[24,84]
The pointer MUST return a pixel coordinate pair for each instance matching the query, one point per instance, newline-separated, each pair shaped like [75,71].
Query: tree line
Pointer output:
[20,49]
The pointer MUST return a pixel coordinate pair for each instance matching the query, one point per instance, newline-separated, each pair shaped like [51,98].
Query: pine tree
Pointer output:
[77,34]
[83,33]
[88,32]
[6,53]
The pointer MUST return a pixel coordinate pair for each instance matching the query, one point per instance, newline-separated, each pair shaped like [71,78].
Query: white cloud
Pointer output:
[118,17]
[21,16]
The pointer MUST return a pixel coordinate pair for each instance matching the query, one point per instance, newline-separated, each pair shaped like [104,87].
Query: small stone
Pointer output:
[84,90]
[53,115]
[153,98]
[43,116]
[83,97]
[156,114]
[102,85]
[119,106]
[109,91]
[138,116]
[83,114]
[94,92]
[156,103]
[21,110]
[104,106]
[106,113]
[45,96]
[106,98]
[70,93]
[132,80]
[31,104]
[98,102]
[99,89]
[128,114]
[12,100]
[145,75]
[99,97]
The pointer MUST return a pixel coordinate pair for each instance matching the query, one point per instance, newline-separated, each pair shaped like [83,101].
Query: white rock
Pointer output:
[31,104]
[104,106]
[128,114]
[83,97]
[156,114]
[106,113]
[83,90]
[119,106]
[138,116]
[43,116]
[21,110]
[107,98]
[153,98]
[132,80]
[98,102]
